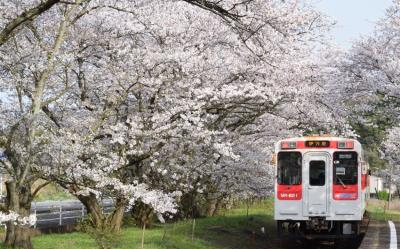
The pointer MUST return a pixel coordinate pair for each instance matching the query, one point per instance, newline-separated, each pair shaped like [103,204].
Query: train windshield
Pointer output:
[289,168]
[345,169]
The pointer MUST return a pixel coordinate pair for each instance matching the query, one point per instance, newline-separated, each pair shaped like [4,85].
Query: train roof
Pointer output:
[319,138]
[306,142]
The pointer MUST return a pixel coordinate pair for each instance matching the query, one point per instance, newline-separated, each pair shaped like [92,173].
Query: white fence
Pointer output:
[60,213]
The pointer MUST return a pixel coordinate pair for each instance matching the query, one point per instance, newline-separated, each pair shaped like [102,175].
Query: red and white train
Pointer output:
[321,187]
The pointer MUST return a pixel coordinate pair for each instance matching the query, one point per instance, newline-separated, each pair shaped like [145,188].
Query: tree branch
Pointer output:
[38,188]
[23,18]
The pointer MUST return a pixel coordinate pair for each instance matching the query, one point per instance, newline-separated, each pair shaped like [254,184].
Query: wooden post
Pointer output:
[144,228]
[60,222]
[165,232]
[1,186]
[247,206]
[193,228]
[384,207]
[390,186]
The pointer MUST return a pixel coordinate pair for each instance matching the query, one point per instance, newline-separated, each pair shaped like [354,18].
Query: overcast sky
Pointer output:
[354,17]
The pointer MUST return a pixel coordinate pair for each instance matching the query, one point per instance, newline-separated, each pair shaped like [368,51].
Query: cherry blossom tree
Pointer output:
[28,64]
[390,152]
[369,83]
[155,103]
[372,68]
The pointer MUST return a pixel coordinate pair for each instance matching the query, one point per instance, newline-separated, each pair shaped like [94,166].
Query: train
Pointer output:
[321,187]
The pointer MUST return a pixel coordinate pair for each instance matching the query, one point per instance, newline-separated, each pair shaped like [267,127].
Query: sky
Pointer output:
[354,17]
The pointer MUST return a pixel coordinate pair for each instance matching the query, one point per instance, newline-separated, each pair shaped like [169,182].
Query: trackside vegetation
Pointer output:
[231,229]
[378,210]
[241,227]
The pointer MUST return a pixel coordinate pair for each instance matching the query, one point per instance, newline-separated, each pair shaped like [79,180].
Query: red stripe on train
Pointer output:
[347,192]
[364,181]
[289,192]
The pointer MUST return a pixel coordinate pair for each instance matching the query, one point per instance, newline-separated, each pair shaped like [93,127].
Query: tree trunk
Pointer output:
[218,206]
[143,214]
[115,219]
[94,209]
[18,236]
[100,220]
[19,201]
[211,205]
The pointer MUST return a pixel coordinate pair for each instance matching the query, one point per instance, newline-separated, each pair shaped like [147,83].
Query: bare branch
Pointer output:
[25,17]
[38,188]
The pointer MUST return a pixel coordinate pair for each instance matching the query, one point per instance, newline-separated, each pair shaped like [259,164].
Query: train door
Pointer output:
[315,182]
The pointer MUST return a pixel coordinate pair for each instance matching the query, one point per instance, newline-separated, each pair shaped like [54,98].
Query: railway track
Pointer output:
[380,235]
[321,244]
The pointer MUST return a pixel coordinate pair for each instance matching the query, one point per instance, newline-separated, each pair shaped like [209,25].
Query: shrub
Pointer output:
[383,195]
[103,235]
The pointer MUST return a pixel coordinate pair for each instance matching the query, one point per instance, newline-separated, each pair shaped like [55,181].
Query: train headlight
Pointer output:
[345,145]
[286,145]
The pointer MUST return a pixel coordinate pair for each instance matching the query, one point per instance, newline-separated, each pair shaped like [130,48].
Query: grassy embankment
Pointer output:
[231,230]
[378,210]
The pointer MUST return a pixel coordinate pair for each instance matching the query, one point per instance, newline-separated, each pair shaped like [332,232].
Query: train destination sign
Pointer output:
[317,144]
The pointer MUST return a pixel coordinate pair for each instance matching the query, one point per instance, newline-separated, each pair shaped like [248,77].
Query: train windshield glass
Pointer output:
[317,173]
[345,168]
[289,168]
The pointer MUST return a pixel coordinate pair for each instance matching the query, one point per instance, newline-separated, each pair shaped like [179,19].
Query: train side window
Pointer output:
[345,168]
[317,173]
[289,168]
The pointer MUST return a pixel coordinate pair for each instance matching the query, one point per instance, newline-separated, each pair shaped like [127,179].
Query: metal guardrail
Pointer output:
[60,213]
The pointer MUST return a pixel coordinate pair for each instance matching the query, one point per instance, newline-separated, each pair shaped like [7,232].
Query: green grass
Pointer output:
[377,212]
[234,229]
[52,192]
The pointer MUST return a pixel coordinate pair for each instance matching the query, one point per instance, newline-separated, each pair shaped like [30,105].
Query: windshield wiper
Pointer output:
[341,182]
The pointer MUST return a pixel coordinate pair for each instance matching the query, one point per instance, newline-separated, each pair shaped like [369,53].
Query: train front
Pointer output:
[320,187]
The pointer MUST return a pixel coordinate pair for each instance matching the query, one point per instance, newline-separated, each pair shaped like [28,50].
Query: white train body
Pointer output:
[321,186]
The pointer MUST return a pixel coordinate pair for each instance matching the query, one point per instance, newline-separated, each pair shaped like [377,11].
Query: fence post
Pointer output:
[1,185]
[193,227]
[60,223]
[35,212]
[144,228]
